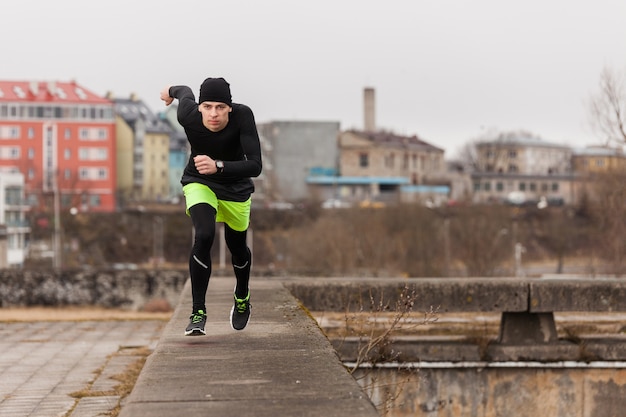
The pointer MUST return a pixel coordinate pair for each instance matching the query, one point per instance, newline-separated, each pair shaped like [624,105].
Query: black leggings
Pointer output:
[203,218]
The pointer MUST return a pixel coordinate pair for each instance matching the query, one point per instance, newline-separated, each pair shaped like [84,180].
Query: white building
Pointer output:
[520,168]
[13,210]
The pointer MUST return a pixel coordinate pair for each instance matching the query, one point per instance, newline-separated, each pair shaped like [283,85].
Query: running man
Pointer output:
[217,185]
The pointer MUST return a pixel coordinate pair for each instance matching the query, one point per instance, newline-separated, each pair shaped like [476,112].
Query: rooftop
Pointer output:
[47,91]
[389,138]
[519,138]
[132,109]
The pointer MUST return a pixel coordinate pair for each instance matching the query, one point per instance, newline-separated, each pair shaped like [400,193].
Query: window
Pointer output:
[67,154]
[93,133]
[14,153]
[13,195]
[93,173]
[68,133]
[512,153]
[363,160]
[31,132]
[522,186]
[499,186]
[66,200]
[533,186]
[92,154]
[477,186]
[31,153]
[487,186]
[555,186]
[9,132]
[94,200]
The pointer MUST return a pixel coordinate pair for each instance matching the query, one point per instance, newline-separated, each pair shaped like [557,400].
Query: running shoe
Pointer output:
[240,313]
[196,324]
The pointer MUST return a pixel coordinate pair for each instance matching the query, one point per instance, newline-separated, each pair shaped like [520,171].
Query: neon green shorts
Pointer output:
[235,214]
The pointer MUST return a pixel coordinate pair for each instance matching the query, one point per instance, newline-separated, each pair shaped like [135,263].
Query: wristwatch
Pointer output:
[219,165]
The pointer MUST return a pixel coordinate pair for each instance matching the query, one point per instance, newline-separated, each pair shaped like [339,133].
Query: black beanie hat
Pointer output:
[215,89]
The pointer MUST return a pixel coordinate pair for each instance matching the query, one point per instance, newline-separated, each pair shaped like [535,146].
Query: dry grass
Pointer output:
[29,314]
[126,379]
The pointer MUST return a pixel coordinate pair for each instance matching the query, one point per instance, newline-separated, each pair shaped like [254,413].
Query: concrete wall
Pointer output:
[498,392]
[296,147]
[122,289]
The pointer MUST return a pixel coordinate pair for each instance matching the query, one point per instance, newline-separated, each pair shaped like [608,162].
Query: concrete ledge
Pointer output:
[576,294]
[130,289]
[446,294]
[280,365]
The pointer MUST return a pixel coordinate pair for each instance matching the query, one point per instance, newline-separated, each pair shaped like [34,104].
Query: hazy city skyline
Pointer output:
[447,71]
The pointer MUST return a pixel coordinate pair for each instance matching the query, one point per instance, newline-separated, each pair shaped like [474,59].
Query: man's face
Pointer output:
[214,115]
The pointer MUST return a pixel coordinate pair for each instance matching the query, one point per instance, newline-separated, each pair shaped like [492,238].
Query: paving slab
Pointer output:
[280,365]
[43,363]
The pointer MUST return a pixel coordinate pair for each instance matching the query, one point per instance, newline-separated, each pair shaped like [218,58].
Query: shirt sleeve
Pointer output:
[251,165]
[187,106]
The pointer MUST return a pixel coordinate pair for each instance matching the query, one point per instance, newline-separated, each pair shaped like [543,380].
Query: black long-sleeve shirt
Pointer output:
[237,145]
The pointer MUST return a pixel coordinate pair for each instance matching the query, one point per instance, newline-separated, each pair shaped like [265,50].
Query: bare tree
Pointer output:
[493,151]
[608,107]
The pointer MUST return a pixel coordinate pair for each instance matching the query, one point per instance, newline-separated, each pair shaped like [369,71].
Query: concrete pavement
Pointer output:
[43,363]
[280,365]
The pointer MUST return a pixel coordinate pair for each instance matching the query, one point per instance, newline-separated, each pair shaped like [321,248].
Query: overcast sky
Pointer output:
[445,70]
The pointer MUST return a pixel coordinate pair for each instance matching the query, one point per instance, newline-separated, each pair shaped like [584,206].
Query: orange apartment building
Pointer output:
[61,137]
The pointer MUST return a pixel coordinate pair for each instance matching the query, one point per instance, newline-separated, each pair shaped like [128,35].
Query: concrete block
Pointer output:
[576,294]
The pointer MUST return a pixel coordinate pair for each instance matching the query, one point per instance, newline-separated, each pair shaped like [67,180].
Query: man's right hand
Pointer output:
[165,96]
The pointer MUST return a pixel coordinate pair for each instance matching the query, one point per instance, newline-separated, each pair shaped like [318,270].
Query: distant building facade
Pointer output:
[14,228]
[292,151]
[143,147]
[593,164]
[519,168]
[598,159]
[179,150]
[383,166]
[61,137]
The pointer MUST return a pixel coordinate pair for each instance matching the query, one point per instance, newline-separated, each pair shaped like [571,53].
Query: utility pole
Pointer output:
[157,240]
[58,256]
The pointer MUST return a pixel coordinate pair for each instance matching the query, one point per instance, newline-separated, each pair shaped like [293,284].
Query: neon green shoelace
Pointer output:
[242,304]
[197,317]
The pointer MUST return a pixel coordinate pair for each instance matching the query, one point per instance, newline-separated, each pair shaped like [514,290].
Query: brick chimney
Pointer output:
[369,109]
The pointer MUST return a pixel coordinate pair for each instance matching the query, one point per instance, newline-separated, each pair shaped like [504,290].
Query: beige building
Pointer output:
[595,165]
[385,154]
[143,144]
[375,166]
[598,159]
[382,166]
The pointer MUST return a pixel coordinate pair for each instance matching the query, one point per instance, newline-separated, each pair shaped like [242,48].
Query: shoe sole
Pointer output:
[195,332]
